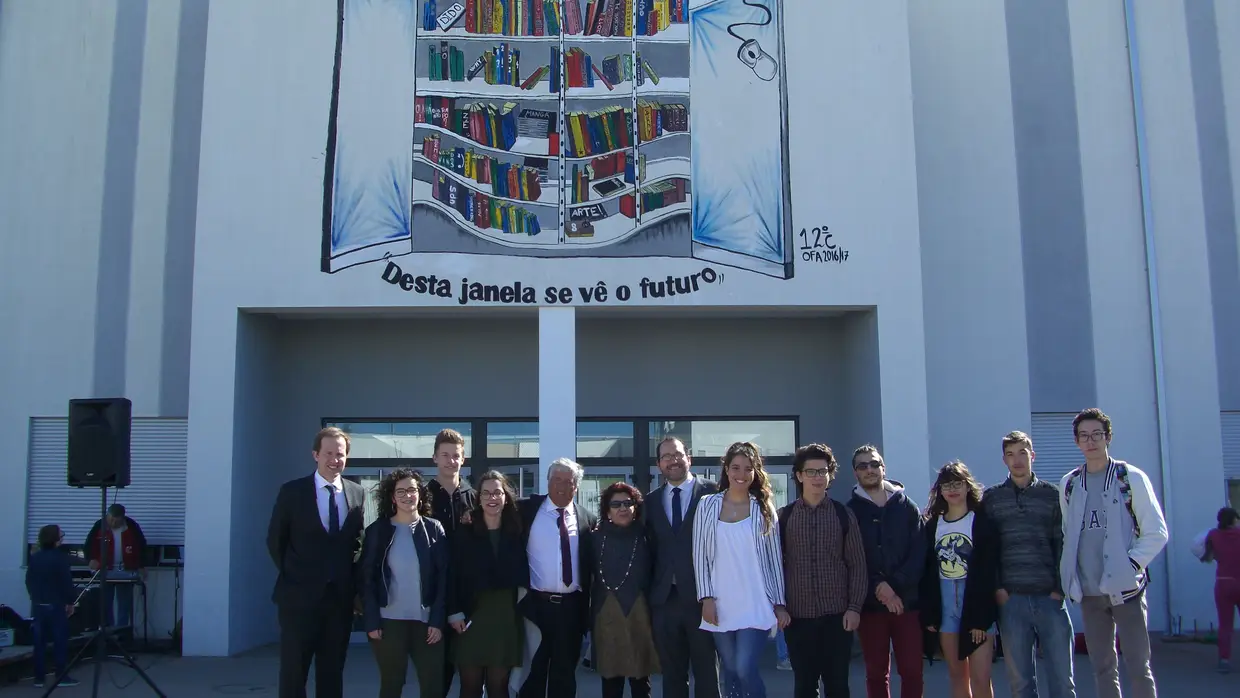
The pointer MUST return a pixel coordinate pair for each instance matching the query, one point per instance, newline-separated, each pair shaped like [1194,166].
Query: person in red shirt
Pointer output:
[117,542]
[1223,546]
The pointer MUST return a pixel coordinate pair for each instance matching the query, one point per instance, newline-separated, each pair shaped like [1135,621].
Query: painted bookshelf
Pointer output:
[544,123]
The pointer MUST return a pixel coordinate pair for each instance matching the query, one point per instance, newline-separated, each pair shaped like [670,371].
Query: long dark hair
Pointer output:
[760,488]
[509,518]
[955,471]
[386,492]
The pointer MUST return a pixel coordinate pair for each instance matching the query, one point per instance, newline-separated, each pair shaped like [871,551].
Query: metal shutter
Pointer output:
[156,499]
[1231,445]
[1053,443]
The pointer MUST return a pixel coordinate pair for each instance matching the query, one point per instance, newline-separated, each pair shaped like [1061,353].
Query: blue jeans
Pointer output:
[738,662]
[781,647]
[123,594]
[49,623]
[1020,620]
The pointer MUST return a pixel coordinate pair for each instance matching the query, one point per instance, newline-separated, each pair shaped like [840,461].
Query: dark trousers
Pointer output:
[682,645]
[638,687]
[553,671]
[819,650]
[880,633]
[449,669]
[401,641]
[50,624]
[315,631]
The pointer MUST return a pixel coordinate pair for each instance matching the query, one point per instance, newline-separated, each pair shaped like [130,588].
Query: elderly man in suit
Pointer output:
[314,537]
[557,534]
[676,612]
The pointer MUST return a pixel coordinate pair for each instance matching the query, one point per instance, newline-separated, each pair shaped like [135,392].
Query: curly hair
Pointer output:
[385,493]
[955,471]
[509,518]
[615,488]
[760,488]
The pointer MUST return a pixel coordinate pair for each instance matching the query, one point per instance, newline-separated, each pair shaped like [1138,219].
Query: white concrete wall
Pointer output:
[1191,377]
[87,149]
[1119,295]
[970,233]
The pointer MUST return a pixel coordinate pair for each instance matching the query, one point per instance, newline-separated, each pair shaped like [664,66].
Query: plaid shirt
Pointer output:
[822,576]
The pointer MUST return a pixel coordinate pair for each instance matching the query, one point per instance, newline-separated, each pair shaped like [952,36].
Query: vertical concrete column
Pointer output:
[1183,302]
[1115,243]
[209,481]
[972,272]
[557,388]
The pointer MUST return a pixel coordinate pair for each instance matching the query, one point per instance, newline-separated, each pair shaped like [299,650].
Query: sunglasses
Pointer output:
[620,504]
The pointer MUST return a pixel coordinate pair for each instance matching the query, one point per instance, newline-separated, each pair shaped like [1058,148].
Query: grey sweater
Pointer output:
[1030,528]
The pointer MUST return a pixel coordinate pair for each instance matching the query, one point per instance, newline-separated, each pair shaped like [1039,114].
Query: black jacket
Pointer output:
[433,558]
[476,567]
[49,580]
[306,556]
[980,610]
[587,521]
[895,545]
[672,553]
[449,508]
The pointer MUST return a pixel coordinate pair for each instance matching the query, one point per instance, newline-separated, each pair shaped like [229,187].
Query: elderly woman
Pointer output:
[623,642]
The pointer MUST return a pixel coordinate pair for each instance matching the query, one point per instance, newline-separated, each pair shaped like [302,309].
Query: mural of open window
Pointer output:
[559,128]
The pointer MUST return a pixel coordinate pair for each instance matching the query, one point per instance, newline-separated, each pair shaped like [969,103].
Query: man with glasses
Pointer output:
[1025,511]
[1113,529]
[824,576]
[895,551]
[677,615]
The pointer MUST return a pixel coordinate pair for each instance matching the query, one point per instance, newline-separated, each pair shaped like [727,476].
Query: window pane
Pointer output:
[605,439]
[590,491]
[711,438]
[399,439]
[512,439]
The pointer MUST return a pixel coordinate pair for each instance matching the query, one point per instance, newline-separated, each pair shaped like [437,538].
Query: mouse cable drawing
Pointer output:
[750,53]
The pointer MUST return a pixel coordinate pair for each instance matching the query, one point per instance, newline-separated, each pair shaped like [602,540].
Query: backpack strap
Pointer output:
[1125,492]
[842,512]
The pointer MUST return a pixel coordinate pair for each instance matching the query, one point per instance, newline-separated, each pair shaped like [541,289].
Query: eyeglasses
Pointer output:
[672,457]
[1092,436]
[492,494]
[816,472]
[411,492]
[956,486]
[620,504]
[868,465]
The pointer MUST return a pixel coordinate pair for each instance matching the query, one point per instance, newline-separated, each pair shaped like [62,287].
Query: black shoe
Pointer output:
[68,681]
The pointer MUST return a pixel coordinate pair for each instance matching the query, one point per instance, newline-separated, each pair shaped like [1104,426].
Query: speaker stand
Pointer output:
[104,635]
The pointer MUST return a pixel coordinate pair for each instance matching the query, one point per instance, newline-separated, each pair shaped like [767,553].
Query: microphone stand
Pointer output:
[104,635]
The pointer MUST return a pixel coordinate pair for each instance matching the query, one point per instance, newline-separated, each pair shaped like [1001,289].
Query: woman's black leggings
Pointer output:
[495,679]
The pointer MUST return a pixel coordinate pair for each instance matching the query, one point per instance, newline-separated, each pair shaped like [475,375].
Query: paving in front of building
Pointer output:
[1180,669]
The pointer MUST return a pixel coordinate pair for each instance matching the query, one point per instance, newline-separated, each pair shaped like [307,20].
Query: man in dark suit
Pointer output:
[557,539]
[314,537]
[676,612]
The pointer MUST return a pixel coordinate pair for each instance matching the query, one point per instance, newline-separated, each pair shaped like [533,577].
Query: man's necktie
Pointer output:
[566,552]
[333,514]
[677,516]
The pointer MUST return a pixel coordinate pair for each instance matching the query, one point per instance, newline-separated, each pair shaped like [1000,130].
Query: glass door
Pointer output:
[369,479]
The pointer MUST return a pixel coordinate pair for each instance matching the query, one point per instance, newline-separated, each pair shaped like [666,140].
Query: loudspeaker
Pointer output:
[99,442]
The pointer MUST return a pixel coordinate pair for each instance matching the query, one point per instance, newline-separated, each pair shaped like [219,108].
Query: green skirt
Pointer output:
[494,635]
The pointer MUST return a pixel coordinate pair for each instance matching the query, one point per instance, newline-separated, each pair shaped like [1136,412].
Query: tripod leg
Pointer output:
[133,664]
[77,658]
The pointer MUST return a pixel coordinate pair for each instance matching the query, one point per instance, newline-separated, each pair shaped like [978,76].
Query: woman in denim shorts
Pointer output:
[958,587]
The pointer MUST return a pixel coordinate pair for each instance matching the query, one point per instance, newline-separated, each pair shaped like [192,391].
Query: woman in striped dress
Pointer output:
[737,562]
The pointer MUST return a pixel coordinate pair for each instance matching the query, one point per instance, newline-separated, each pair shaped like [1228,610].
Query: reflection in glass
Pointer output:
[590,491]
[512,439]
[604,440]
[711,438]
[399,439]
